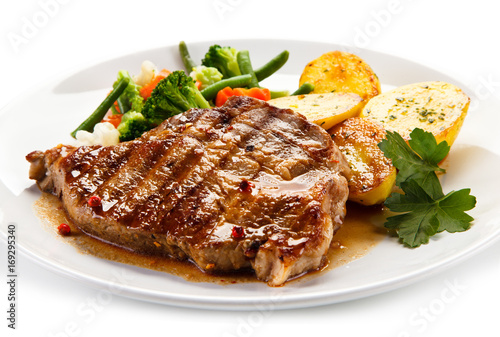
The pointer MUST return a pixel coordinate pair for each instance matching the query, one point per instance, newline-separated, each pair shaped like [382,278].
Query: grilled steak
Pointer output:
[246,185]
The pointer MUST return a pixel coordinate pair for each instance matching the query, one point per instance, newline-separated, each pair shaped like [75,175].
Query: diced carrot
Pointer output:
[259,93]
[147,89]
[198,84]
[114,119]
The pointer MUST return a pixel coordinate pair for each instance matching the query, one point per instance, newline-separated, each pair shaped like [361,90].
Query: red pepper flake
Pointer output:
[238,232]
[94,201]
[246,186]
[230,127]
[64,229]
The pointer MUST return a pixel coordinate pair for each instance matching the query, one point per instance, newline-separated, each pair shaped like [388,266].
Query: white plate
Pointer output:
[49,112]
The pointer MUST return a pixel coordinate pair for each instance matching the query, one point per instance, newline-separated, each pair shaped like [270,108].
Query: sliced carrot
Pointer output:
[239,92]
[114,119]
[259,93]
[223,95]
[147,89]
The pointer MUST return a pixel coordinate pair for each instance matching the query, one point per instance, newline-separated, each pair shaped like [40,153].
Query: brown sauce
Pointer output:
[362,231]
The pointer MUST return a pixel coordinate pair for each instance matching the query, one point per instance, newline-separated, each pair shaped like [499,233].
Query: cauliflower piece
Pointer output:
[104,134]
[148,71]
[206,75]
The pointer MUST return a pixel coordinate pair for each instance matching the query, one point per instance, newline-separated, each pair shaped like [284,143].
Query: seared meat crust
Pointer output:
[246,185]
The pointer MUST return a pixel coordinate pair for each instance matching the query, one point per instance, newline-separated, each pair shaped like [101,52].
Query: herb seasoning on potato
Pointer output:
[436,107]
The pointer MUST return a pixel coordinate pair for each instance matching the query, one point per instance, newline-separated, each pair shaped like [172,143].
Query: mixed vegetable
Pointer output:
[138,104]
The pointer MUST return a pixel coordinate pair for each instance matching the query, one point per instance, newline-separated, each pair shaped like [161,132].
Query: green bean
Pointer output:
[304,89]
[272,66]
[186,58]
[245,65]
[122,105]
[277,94]
[114,109]
[240,81]
[102,109]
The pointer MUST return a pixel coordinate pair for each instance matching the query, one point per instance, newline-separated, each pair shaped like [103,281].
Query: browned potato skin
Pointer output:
[372,174]
[338,71]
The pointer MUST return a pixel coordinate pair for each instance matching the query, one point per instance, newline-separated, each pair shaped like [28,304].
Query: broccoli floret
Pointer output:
[206,75]
[132,98]
[224,59]
[133,125]
[173,95]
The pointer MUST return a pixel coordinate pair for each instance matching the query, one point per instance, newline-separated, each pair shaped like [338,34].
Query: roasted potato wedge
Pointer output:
[436,107]
[338,71]
[325,110]
[373,175]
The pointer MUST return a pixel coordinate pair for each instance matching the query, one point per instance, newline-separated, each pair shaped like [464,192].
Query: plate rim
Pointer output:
[245,303]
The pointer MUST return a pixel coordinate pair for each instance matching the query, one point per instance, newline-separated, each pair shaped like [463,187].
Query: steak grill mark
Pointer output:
[176,190]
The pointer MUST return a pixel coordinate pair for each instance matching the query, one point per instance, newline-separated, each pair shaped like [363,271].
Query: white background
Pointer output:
[459,38]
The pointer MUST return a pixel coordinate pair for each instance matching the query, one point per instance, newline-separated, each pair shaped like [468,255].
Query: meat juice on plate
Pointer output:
[362,231]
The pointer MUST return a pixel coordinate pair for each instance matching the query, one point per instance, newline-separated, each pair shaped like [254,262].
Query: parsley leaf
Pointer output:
[418,162]
[425,209]
[451,213]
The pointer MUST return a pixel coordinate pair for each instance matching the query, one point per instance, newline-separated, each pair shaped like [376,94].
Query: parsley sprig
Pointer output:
[425,209]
